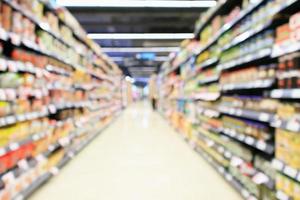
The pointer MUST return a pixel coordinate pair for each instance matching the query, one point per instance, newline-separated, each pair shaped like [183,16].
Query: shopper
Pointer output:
[153,90]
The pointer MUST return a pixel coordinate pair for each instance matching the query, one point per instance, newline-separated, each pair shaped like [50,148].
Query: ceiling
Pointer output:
[137,20]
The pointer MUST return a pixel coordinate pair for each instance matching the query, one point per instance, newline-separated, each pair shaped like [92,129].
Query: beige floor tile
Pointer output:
[139,157]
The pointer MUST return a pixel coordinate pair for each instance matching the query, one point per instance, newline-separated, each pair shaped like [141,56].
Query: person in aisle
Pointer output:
[153,90]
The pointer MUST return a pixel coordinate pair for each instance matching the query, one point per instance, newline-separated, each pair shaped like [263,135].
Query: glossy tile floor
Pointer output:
[139,157]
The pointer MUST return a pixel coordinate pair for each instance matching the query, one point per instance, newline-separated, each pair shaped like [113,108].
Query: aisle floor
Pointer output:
[139,157]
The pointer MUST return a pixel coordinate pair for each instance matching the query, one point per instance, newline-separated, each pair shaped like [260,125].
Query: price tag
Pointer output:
[293,126]
[71,154]
[232,133]
[23,164]
[3,34]
[36,137]
[295,93]
[14,146]
[249,140]
[227,154]
[2,95]
[239,112]
[290,171]
[260,178]
[2,151]
[228,177]
[40,158]
[264,117]
[10,119]
[236,161]
[245,193]
[3,65]
[52,109]
[261,145]
[282,196]
[241,137]
[12,66]
[54,171]
[278,165]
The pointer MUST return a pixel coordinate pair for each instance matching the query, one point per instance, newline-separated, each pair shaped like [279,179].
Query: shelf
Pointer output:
[280,195]
[286,170]
[293,126]
[209,79]
[246,35]
[227,176]
[258,84]
[285,94]
[263,53]
[33,187]
[249,114]
[208,112]
[68,156]
[43,26]
[16,145]
[248,140]
[207,63]
[206,96]
[280,50]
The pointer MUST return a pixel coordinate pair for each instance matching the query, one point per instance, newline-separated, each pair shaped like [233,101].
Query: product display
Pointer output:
[244,92]
[57,92]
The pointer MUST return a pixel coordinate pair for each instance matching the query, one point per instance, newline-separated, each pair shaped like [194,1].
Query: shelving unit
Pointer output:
[58,91]
[241,58]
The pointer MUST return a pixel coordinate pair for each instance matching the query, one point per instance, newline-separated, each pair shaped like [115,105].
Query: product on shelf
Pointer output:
[249,74]
[288,71]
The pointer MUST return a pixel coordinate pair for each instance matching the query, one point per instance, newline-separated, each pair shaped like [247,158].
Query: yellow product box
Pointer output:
[296,194]
[288,186]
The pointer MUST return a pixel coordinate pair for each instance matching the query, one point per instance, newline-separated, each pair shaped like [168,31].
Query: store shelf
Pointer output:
[206,96]
[246,35]
[285,94]
[292,125]
[263,53]
[286,170]
[257,84]
[208,112]
[43,26]
[208,63]
[209,79]
[68,156]
[249,114]
[280,195]
[280,50]
[227,176]
[248,140]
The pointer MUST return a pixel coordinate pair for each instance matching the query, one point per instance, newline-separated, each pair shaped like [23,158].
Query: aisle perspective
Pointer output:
[146,161]
[232,92]
[57,92]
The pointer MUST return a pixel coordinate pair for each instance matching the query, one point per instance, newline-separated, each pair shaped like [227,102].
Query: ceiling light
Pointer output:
[137,4]
[140,36]
[140,49]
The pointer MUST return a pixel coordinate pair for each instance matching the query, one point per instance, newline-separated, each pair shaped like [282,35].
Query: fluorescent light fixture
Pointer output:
[137,3]
[140,36]
[140,49]
[157,58]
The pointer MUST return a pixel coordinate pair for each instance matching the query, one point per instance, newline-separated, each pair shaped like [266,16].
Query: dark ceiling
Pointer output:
[137,20]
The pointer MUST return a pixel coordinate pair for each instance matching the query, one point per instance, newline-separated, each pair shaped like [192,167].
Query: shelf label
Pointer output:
[2,151]
[290,171]
[264,117]
[241,137]
[278,165]
[293,126]
[245,193]
[14,146]
[249,140]
[261,145]
[54,171]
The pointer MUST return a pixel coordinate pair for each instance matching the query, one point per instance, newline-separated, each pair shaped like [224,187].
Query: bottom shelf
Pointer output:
[227,176]
[55,170]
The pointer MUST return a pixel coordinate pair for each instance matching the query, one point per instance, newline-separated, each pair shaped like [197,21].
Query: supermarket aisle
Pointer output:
[138,158]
